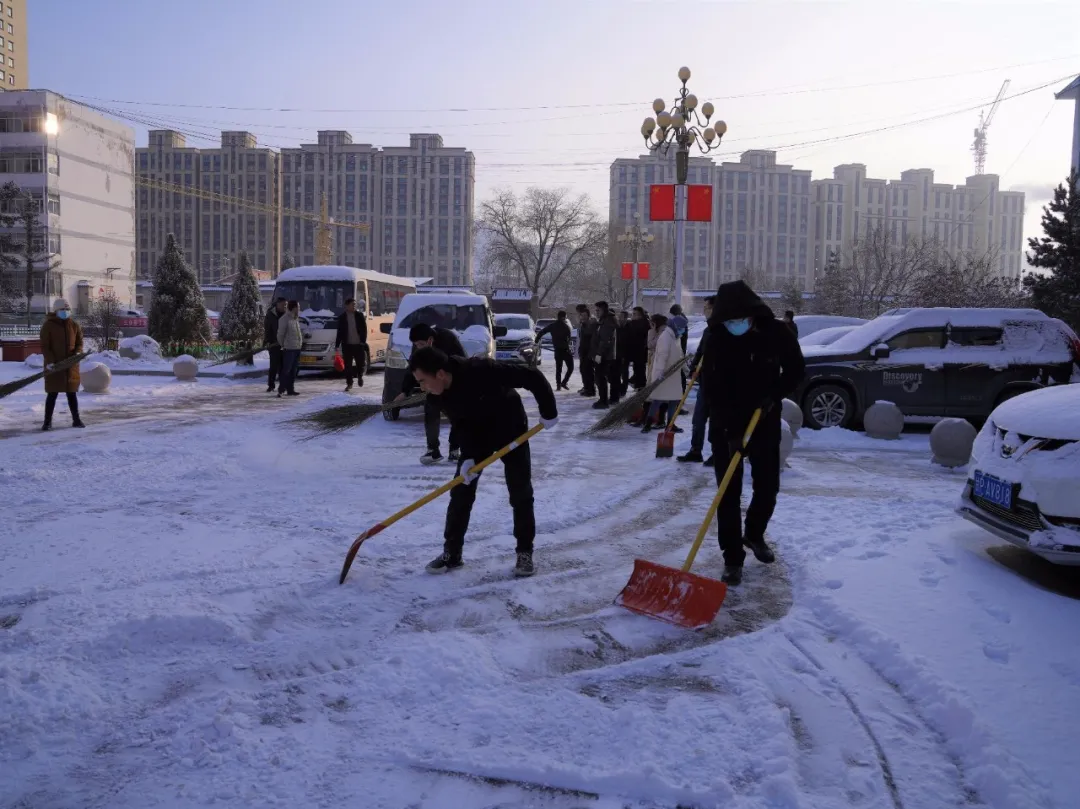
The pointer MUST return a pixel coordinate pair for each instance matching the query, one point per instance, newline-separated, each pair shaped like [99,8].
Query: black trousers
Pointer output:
[275,366]
[763,453]
[563,356]
[623,363]
[353,355]
[602,375]
[50,406]
[588,374]
[517,466]
[432,421]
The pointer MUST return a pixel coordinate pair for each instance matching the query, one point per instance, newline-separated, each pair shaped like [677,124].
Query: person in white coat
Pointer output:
[668,352]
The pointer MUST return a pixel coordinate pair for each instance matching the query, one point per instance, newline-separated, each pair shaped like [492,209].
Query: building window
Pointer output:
[54,204]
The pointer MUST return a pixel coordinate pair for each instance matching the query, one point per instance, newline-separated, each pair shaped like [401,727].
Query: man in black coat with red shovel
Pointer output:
[752,361]
[481,400]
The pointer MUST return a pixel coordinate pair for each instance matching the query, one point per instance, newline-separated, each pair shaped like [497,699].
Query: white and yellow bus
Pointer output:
[322,292]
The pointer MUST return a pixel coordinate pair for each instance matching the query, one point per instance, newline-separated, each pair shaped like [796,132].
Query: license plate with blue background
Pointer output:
[505,355]
[997,491]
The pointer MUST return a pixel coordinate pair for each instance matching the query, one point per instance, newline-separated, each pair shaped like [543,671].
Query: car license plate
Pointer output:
[995,490]
[308,360]
[504,355]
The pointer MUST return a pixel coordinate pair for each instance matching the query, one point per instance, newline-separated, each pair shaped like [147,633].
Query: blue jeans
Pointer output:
[701,419]
[290,364]
[654,410]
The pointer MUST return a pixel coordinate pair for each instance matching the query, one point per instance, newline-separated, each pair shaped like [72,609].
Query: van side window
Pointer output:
[982,337]
[362,298]
[918,338]
[376,301]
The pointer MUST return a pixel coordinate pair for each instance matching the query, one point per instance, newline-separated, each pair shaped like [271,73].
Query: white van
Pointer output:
[466,314]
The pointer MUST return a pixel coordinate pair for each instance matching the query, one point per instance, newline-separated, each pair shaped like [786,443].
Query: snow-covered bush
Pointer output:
[141,346]
[177,310]
[883,420]
[185,367]
[951,441]
[96,376]
[242,318]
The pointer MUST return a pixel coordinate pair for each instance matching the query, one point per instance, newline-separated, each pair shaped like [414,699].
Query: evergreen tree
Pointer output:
[241,319]
[287,262]
[177,311]
[833,288]
[1058,292]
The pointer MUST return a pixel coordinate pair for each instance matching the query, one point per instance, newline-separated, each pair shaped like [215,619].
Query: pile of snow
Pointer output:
[185,367]
[96,376]
[141,346]
[35,361]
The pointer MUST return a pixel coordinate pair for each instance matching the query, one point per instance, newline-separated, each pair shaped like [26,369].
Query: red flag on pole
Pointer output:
[699,203]
[627,271]
[643,271]
[661,203]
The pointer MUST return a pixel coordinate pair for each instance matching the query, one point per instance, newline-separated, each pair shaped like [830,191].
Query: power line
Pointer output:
[789,90]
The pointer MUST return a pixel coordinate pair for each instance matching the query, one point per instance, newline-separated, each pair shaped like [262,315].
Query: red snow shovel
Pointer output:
[427,498]
[678,596]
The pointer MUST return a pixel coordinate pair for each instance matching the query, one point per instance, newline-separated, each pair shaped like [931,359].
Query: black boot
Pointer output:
[600,405]
[77,422]
[693,456]
[762,552]
[710,461]
[524,565]
[444,563]
[732,575]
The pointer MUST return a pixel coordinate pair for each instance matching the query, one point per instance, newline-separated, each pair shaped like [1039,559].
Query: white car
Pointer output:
[519,342]
[808,324]
[1024,478]
[824,337]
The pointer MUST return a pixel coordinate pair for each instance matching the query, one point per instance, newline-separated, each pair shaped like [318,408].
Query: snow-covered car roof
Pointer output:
[334,272]
[1052,412]
[822,337]
[418,300]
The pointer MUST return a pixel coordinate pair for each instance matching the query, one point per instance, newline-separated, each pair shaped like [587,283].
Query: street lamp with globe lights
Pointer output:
[685,125]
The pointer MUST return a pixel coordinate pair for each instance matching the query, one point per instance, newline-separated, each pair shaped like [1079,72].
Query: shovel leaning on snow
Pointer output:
[679,596]
[427,498]
[665,441]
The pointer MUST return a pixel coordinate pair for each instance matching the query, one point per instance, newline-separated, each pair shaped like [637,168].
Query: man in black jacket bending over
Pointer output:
[352,340]
[480,397]
[446,340]
[752,361]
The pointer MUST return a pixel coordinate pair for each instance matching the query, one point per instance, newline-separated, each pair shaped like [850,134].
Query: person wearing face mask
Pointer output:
[61,337]
[752,361]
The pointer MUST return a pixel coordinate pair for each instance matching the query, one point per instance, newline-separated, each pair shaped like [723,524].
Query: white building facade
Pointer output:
[78,165]
[774,223]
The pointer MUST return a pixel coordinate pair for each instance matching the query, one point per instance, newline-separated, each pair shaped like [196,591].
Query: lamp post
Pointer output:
[685,126]
[635,238]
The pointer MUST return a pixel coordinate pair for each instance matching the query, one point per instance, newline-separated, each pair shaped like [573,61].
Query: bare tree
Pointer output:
[755,277]
[102,322]
[880,273]
[10,248]
[24,212]
[541,237]
[966,280]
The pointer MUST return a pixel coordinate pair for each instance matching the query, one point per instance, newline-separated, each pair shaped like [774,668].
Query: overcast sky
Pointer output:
[549,92]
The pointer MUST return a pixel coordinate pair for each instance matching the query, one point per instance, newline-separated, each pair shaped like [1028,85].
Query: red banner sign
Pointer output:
[699,203]
[643,271]
[661,203]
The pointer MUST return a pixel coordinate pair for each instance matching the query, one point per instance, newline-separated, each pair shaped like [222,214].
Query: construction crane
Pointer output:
[978,148]
[322,219]
[323,240]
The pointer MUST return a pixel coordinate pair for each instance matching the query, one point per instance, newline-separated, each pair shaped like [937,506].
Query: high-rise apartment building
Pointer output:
[971,219]
[346,173]
[210,229]
[774,223]
[417,203]
[77,165]
[761,213]
[14,64]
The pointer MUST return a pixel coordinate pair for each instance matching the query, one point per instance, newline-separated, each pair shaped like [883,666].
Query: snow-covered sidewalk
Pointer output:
[175,634]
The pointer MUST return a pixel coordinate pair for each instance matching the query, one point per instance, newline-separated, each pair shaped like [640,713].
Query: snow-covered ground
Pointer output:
[174,634]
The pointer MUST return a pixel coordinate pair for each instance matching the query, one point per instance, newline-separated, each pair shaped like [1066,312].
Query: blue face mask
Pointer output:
[738,327]
[63,314]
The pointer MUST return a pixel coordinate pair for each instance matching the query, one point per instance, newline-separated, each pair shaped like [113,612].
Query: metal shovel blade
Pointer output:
[665,444]
[669,594]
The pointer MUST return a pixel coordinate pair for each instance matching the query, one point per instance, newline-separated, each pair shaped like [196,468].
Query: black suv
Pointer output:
[935,362]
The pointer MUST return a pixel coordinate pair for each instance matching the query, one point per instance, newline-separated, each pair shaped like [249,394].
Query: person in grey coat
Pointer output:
[291,340]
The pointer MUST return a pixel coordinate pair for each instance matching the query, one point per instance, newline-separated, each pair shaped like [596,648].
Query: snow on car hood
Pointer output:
[519,334]
[1052,412]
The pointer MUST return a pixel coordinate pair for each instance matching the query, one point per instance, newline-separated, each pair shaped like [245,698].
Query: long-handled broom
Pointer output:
[618,415]
[246,354]
[340,418]
[63,365]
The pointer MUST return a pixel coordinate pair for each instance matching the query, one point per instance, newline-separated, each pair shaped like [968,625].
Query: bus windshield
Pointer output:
[447,316]
[317,296]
